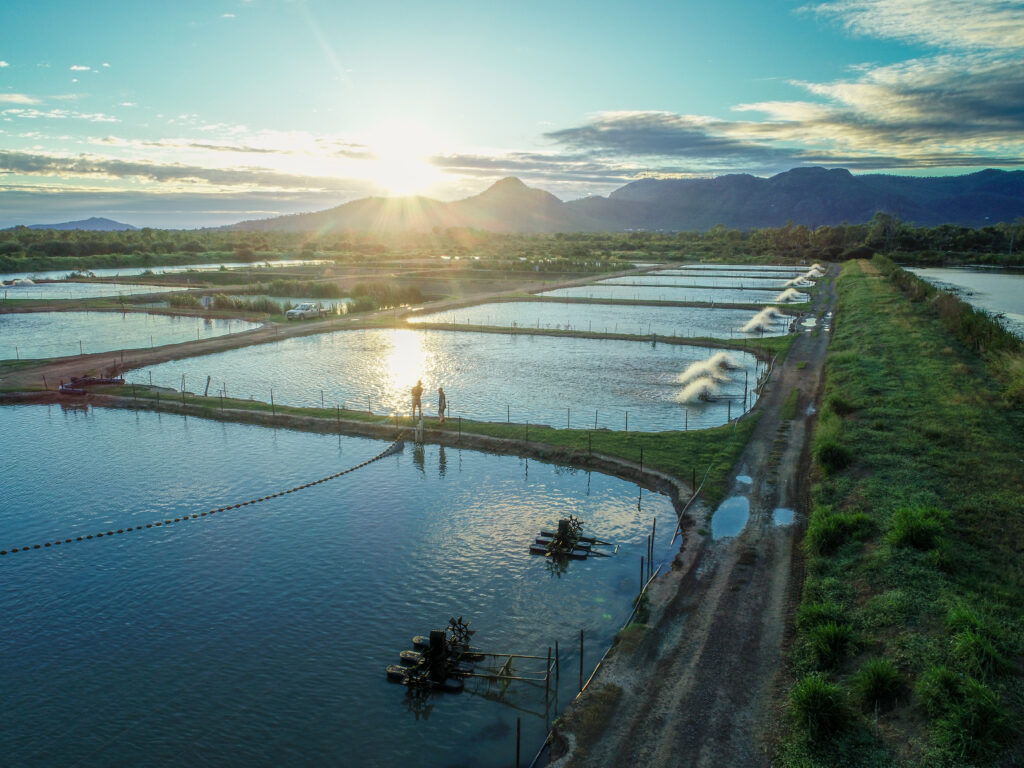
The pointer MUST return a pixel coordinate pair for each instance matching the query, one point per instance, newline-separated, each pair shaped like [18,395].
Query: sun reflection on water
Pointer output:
[405,362]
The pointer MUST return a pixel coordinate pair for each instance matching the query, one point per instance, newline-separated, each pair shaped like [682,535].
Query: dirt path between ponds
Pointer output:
[703,685]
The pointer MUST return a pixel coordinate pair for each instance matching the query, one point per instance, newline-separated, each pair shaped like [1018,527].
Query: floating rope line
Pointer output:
[395,447]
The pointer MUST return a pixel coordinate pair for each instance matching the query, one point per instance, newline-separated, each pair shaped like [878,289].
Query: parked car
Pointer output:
[303,311]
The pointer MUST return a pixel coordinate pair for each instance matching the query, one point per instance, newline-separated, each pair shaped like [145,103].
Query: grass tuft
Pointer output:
[831,643]
[818,707]
[917,527]
[877,683]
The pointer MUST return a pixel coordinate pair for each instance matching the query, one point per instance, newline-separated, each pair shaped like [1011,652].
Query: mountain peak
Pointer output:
[509,183]
[96,224]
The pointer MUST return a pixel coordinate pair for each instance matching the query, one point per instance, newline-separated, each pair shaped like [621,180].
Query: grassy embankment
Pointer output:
[682,455]
[910,631]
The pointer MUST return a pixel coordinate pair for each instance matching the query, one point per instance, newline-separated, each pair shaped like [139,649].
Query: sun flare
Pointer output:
[401,163]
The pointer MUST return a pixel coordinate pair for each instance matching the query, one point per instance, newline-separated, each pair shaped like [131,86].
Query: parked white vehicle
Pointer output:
[303,311]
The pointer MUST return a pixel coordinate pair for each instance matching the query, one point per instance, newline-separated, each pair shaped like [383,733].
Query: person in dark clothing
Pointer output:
[417,398]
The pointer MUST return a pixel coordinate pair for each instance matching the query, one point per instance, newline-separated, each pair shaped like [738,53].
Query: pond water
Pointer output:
[259,637]
[72,290]
[746,268]
[997,291]
[659,293]
[60,274]
[705,280]
[610,318]
[59,334]
[486,376]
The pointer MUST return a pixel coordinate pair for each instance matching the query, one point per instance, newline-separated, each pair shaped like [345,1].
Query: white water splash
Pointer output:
[703,388]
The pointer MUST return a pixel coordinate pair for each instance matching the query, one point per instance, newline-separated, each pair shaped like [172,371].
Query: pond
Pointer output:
[997,291]
[259,637]
[746,268]
[704,280]
[659,293]
[60,274]
[28,335]
[73,290]
[609,318]
[486,376]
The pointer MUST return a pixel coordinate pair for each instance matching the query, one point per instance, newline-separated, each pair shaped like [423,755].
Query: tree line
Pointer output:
[24,249]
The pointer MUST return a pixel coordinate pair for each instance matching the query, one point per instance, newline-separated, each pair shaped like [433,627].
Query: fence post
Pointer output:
[519,733]
[627,421]
[641,574]
[273,410]
[581,660]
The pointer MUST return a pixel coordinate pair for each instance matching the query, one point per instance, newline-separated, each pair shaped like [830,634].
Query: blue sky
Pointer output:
[203,113]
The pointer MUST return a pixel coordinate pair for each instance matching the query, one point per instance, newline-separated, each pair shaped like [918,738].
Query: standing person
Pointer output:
[417,396]
[442,404]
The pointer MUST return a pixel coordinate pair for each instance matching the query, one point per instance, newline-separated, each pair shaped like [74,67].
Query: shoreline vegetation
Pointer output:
[910,629]
[26,250]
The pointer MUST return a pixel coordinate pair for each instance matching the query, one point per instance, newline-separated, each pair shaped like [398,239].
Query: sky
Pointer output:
[207,112]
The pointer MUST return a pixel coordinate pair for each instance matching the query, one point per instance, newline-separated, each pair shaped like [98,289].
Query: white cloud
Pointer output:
[79,68]
[106,64]
[4,64]
[17,98]
[57,114]
[227,15]
[953,24]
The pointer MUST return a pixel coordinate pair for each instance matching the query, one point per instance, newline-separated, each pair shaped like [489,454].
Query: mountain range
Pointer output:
[95,224]
[809,196]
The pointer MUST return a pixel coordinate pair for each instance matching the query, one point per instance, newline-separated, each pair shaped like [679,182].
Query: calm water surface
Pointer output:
[57,334]
[610,318]
[705,280]
[661,293]
[486,376]
[60,274]
[997,291]
[259,637]
[72,290]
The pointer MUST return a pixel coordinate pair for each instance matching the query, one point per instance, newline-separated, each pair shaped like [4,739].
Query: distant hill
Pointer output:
[95,224]
[809,196]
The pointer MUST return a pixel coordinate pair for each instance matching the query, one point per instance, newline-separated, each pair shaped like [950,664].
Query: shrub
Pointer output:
[817,707]
[877,683]
[830,643]
[183,300]
[917,527]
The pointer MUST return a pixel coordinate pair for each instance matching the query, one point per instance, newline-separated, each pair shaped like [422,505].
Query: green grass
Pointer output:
[913,545]
[789,407]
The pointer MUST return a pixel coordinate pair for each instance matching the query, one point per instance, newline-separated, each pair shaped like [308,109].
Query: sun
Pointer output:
[400,163]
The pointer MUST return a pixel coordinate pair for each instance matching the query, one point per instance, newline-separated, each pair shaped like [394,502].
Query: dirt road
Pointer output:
[700,688]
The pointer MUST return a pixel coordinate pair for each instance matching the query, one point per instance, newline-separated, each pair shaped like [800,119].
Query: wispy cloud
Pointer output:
[79,68]
[950,24]
[55,114]
[4,64]
[29,164]
[17,98]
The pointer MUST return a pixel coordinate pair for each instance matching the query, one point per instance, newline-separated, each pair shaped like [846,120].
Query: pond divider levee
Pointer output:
[395,447]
